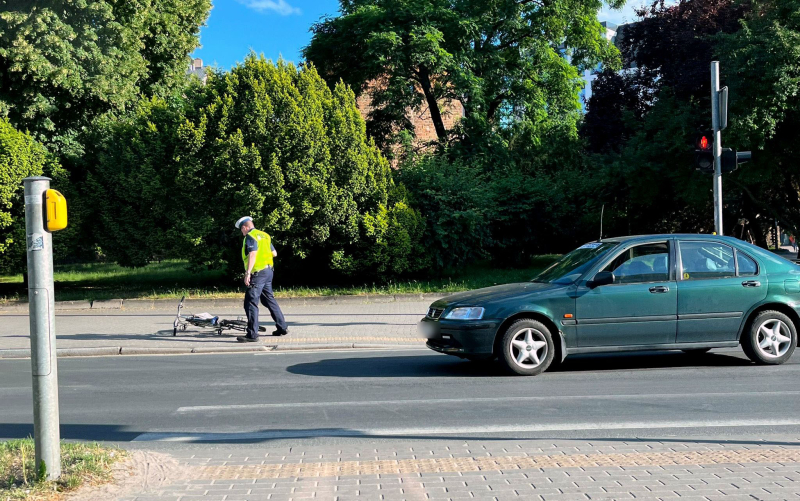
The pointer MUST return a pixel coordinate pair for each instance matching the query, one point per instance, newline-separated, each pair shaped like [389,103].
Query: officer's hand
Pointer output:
[247,279]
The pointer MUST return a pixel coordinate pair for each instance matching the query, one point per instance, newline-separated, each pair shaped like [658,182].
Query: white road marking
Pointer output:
[458,430]
[28,389]
[440,401]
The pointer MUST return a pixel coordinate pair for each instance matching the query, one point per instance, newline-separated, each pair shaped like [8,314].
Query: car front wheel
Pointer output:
[528,347]
[771,339]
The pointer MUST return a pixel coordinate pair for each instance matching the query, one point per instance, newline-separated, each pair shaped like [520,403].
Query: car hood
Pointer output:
[479,297]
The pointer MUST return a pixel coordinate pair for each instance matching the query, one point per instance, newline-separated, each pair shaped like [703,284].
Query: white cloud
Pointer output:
[278,6]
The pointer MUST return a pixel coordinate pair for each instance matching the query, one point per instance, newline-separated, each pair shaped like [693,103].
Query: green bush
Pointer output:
[456,199]
[267,140]
[498,209]
[130,183]
[20,157]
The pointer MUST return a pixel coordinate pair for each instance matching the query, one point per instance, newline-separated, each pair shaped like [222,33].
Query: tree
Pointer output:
[64,62]
[641,123]
[267,140]
[673,44]
[20,157]
[761,64]
[619,103]
[669,47]
[499,58]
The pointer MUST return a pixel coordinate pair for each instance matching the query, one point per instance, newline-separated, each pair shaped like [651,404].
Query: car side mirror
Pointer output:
[602,278]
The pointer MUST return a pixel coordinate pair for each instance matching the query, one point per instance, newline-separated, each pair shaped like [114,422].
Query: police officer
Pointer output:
[257,254]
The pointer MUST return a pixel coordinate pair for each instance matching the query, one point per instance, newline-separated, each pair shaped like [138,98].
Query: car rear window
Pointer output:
[747,266]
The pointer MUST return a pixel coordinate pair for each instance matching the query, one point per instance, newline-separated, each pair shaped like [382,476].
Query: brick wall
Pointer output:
[420,117]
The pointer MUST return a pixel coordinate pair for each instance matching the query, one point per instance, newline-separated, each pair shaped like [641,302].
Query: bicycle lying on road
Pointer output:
[206,320]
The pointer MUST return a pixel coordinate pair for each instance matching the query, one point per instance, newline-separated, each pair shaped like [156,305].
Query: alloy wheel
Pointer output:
[528,348]
[774,338]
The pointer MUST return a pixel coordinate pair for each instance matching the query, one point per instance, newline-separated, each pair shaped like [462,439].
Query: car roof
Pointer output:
[693,236]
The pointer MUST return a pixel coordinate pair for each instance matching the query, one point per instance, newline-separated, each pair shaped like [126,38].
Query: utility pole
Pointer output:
[41,305]
[715,122]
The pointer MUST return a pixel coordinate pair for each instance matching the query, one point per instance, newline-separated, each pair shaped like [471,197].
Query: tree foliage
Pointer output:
[641,123]
[64,62]
[761,64]
[673,45]
[268,140]
[500,58]
[532,196]
[20,157]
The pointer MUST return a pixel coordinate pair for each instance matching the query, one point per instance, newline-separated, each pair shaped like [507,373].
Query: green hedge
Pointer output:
[20,157]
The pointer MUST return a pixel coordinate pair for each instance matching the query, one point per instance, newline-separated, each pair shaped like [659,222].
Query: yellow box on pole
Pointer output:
[56,210]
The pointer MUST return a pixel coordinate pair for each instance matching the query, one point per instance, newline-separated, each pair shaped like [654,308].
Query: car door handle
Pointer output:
[659,289]
[751,283]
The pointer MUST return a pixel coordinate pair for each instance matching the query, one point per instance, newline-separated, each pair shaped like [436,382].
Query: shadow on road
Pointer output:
[397,366]
[120,433]
[108,432]
[649,360]
[443,366]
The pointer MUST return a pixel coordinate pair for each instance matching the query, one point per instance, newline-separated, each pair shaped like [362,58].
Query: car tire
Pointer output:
[527,347]
[696,351]
[770,339]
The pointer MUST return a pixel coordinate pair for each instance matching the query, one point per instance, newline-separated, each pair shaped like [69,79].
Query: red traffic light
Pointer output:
[703,157]
[704,140]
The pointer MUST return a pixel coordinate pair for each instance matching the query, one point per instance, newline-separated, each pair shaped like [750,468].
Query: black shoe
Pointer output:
[246,339]
[279,332]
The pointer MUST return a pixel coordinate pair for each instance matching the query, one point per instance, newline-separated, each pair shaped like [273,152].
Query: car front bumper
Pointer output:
[460,337]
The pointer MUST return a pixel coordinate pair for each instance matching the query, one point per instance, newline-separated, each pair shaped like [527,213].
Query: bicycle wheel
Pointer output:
[239,325]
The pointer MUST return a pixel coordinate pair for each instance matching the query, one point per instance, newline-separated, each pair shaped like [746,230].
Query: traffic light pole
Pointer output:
[46,435]
[717,147]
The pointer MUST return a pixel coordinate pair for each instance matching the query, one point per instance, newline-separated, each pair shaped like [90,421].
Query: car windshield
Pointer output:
[569,268]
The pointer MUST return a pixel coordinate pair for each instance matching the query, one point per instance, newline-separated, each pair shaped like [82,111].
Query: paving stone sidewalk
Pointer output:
[120,331]
[488,470]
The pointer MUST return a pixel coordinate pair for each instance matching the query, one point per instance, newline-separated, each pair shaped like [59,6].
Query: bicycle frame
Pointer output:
[215,323]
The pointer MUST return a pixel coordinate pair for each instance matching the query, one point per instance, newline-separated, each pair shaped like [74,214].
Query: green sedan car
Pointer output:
[653,292]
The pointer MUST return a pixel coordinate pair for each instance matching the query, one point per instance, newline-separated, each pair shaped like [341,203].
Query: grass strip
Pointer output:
[81,464]
[172,279]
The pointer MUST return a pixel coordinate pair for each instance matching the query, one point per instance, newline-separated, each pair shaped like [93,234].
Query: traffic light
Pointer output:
[731,159]
[704,151]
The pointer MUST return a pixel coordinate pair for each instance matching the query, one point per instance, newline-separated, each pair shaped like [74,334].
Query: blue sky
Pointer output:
[280,28]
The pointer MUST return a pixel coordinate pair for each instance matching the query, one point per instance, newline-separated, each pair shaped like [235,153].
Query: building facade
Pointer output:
[197,69]
[590,75]
[420,118]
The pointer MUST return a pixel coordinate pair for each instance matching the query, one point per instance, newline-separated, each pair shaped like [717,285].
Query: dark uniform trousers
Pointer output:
[261,288]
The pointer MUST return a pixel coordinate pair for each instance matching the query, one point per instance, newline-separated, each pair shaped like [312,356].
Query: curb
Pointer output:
[211,304]
[85,352]
[121,350]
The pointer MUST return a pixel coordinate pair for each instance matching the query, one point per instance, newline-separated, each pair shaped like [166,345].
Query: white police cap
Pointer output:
[242,220]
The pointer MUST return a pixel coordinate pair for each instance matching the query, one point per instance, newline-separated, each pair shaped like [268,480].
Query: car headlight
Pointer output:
[469,313]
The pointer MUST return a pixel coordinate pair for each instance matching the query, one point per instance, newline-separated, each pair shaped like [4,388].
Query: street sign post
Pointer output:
[46,434]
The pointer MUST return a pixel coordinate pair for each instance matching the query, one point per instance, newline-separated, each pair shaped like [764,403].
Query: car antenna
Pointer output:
[601,222]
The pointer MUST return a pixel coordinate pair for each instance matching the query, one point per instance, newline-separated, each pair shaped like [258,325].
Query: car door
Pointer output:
[639,308]
[717,285]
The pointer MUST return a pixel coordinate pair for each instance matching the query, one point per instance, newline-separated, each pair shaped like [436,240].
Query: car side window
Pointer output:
[747,266]
[706,260]
[641,263]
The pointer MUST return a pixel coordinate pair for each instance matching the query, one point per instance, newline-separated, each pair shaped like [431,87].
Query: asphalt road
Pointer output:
[336,397]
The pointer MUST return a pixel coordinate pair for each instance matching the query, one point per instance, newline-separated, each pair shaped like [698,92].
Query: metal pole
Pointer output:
[46,433]
[717,147]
